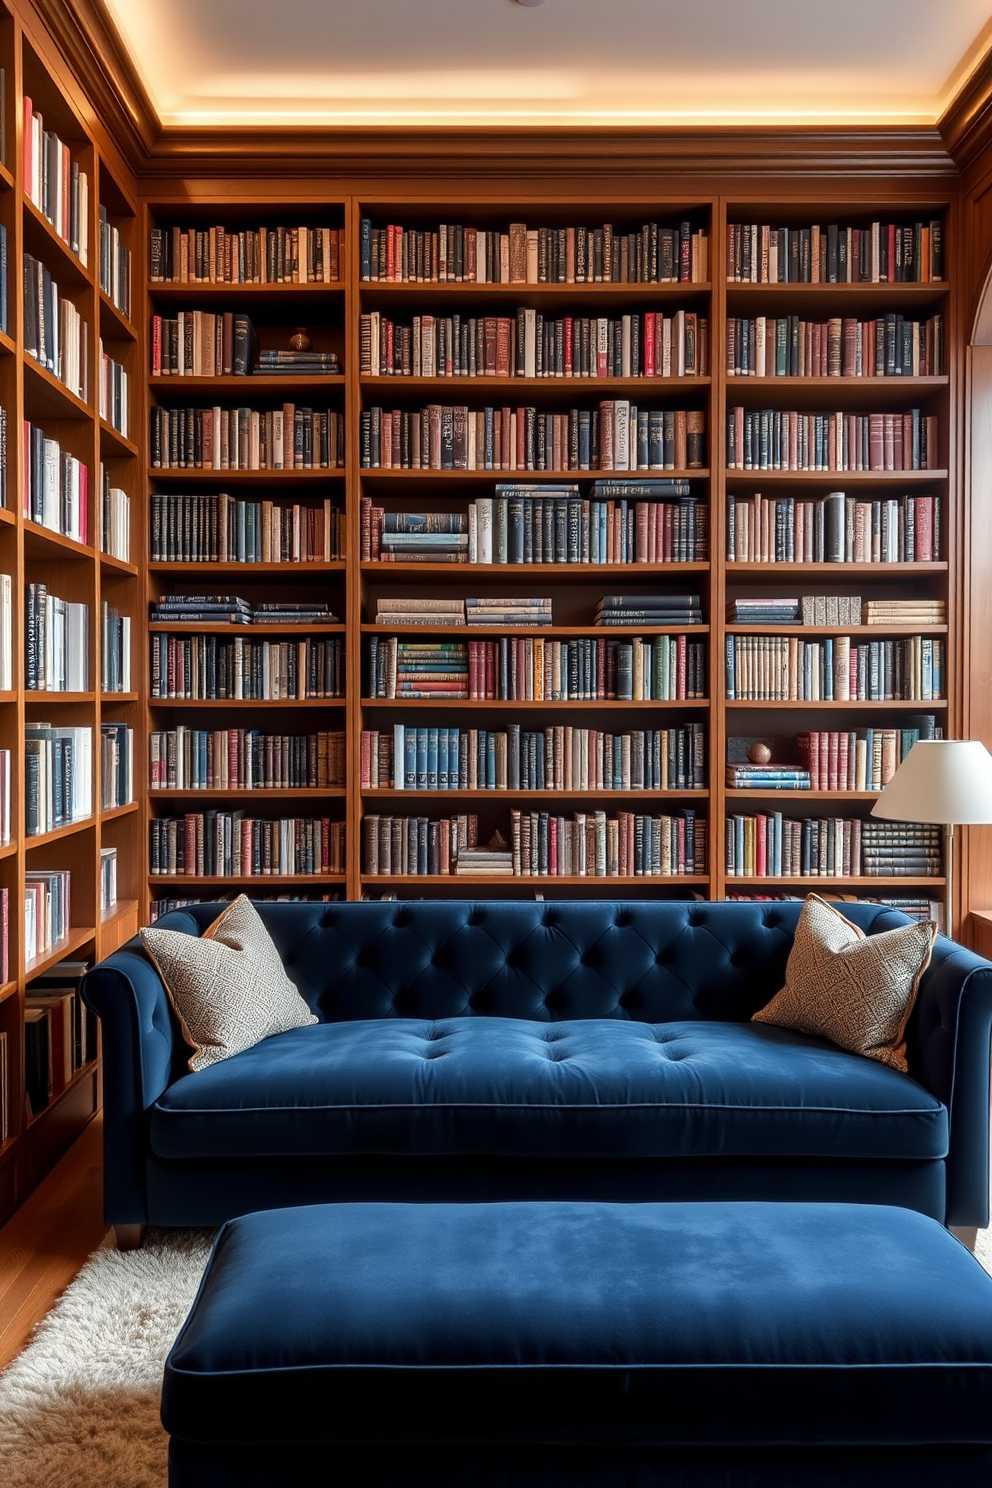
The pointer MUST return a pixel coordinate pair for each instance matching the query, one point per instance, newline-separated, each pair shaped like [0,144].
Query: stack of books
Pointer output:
[411,611]
[212,609]
[905,612]
[649,609]
[831,609]
[767,777]
[417,669]
[293,612]
[764,611]
[422,537]
[485,862]
[298,364]
[499,611]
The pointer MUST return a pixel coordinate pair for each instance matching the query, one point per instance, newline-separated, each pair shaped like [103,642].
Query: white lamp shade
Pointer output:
[941,780]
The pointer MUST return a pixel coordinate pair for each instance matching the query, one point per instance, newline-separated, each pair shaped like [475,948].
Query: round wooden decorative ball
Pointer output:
[759,754]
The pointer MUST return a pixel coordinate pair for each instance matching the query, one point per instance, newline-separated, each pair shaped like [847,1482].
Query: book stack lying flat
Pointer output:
[485,862]
[764,611]
[410,611]
[905,612]
[417,669]
[422,537]
[285,612]
[498,611]
[298,363]
[831,609]
[212,609]
[767,777]
[649,609]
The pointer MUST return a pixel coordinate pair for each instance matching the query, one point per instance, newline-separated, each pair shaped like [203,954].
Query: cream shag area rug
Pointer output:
[79,1407]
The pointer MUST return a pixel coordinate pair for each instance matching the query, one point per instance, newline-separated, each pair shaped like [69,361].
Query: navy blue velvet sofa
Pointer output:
[510,1050]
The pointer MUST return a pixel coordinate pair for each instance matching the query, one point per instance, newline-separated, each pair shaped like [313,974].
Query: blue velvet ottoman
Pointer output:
[582,1345]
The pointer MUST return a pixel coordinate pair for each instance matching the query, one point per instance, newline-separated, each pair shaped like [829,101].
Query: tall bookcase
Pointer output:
[71,567]
[389,487]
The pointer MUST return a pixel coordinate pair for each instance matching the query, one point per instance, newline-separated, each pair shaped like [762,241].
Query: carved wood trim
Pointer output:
[966,124]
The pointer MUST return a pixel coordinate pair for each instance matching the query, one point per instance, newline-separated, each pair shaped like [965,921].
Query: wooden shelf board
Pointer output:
[531,879]
[118,697]
[288,385]
[289,570]
[553,632]
[387,793]
[44,390]
[922,705]
[38,540]
[832,570]
[8,344]
[375,473]
[853,881]
[203,627]
[41,839]
[9,989]
[7,517]
[38,230]
[9,849]
[246,880]
[112,813]
[78,936]
[120,325]
[114,444]
[379,289]
[557,571]
[241,793]
[837,478]
[39,695]
[119,565]
[738,795]
[598,704]
[77,1077]
[121,909]
[173,290]
[200,474]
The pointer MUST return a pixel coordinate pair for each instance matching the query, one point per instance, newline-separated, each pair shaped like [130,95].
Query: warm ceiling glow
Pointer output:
[437,62]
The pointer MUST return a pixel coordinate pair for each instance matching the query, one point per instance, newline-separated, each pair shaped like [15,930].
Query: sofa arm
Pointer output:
[953,1029]
[141,1042]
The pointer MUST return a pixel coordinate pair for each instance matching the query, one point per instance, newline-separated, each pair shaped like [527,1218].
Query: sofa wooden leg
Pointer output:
[129,1236]
[967,1234]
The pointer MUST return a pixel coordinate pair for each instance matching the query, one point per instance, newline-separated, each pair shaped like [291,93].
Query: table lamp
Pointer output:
[946,782]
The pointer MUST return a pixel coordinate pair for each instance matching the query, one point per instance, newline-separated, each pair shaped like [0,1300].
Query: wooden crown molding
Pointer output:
[91,45]
[523,152]
[966,124]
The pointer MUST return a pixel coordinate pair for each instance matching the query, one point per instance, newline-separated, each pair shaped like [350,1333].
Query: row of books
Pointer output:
[656,253]
[531,669]
[56,485]
[836,609]
[112,399]
[876,253]
[245,759]
[778,439]
[915,907]
[411,844]
[859,759]
[532,344]
[55,333]
[647,521]
[835,669]
[891,345]
[60,1035]
[115,649]
[201,343]
[115,518]
[56,657]
[115,264]
[286,438]
[220,528]
[219,668]
[260,255]
[58,776]
[55,183]
[614,436]
[116,765]
[215,844]
[775,846]
[591,844]
[47,910]
[835,528]
[164,906]
[108,880]
[559,757]
[233,609]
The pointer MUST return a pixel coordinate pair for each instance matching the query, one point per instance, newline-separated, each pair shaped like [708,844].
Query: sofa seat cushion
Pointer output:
[589,1088]
[822,1324]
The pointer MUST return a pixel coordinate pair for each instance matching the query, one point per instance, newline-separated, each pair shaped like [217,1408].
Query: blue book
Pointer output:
[421,734]
[491,760]
[443,738]
[432,748]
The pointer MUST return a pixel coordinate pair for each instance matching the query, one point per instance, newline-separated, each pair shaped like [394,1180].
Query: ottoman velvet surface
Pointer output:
[641,1323]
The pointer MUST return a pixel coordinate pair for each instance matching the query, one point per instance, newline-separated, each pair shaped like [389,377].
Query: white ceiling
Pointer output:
[310,62]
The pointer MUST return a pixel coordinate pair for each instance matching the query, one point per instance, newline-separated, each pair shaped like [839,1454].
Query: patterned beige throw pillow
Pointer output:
[228,985]
[857,990]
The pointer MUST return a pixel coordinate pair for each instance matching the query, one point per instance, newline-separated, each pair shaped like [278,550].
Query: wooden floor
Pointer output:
[48,1239]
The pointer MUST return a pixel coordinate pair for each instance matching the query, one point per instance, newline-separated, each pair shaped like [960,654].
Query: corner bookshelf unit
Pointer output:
[50,537]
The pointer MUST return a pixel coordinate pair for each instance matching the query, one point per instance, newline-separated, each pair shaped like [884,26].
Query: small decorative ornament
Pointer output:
[759,754]
[301,341]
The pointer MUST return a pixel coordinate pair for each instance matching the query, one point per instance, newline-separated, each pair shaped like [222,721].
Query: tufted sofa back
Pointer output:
[649,960]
